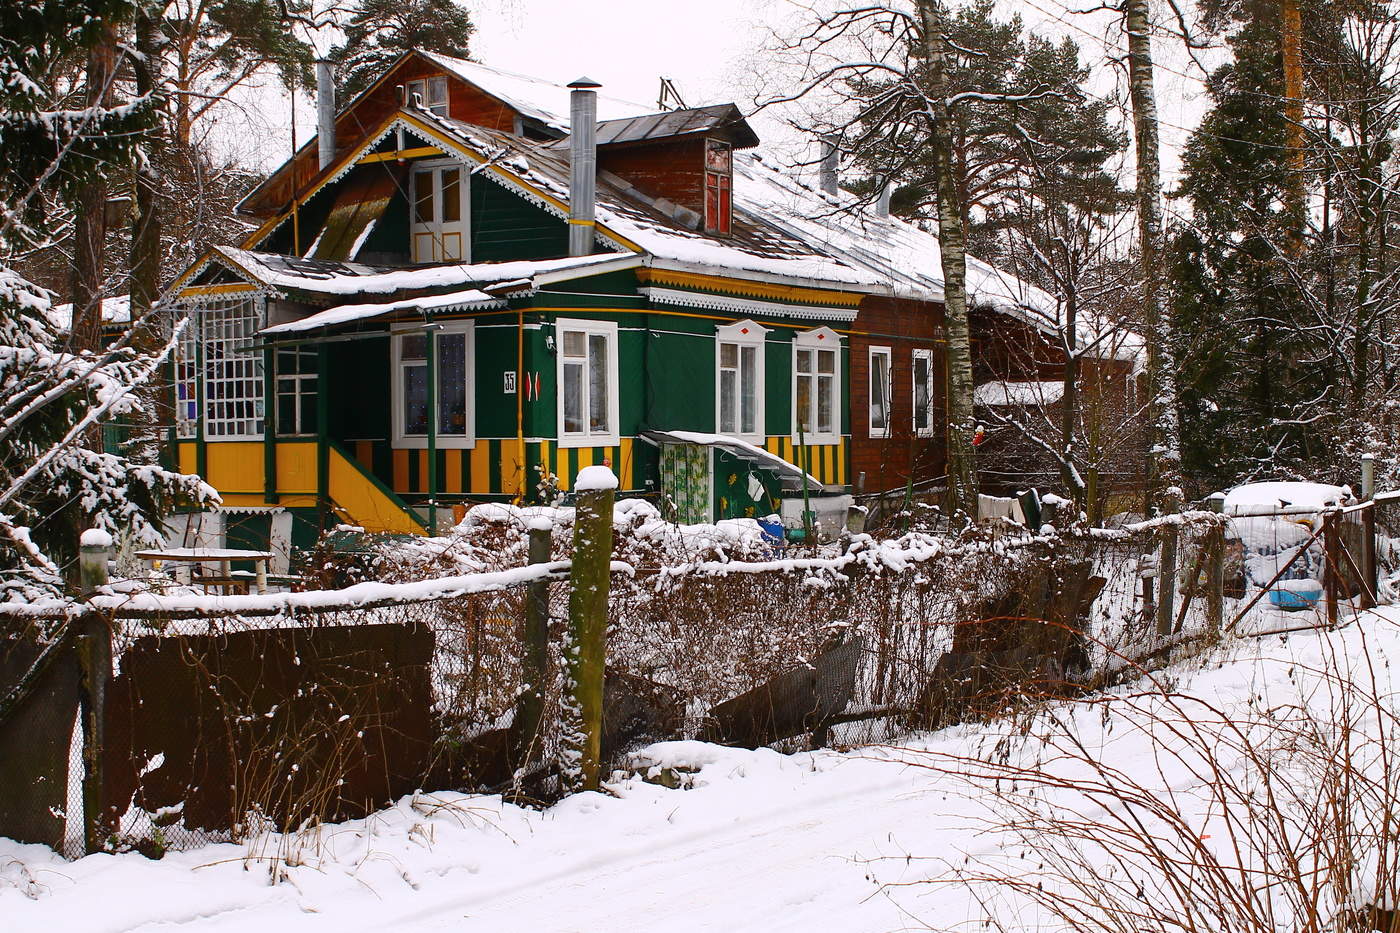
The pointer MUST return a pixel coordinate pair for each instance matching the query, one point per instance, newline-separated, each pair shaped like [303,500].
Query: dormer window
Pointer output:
[432,92]
[719,178]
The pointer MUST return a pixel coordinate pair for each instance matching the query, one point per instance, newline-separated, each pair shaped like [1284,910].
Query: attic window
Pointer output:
[432,92]
[719,177]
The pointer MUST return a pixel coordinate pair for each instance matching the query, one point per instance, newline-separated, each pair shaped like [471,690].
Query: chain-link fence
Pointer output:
[323,705]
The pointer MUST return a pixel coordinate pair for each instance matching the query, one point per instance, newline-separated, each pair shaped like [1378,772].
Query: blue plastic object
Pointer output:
[1296,597]
[772,531]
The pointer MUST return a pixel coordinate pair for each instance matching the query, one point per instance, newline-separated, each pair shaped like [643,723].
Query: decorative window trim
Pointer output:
[462,228]
[568,439]
[396,390]
[719,187]
[744,333]
[887,354]
[922,353]
[819,338]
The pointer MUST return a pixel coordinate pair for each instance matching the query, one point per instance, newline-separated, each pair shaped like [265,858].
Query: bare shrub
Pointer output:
[1157,810]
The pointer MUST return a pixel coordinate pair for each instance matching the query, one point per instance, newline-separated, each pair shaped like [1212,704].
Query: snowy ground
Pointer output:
[761,842]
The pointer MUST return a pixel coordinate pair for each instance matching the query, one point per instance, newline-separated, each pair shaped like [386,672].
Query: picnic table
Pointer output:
[223,556]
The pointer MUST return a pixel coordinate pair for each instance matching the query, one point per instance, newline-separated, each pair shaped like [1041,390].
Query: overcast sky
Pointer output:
[712,50]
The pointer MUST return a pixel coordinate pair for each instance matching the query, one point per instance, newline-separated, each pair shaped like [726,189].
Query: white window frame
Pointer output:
[298,386]
[820,338]
[920,430]
[887,354]
[586,438]
[437,230]
[744,333]
[231,387]
[396,391]
[424,88]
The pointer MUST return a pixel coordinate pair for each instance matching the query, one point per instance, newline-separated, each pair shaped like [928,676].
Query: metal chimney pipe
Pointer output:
[325,112]
[583,164]
[830,156]
[882,203]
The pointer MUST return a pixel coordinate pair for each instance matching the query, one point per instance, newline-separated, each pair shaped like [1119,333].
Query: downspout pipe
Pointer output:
[325,112]
[882,203]
[583,164]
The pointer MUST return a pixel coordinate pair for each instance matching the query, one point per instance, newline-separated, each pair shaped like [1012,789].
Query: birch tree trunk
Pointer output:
[1164,450]
[962,466]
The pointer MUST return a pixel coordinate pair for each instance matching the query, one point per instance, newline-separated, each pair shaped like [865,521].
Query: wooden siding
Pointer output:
[889,462]
[672,169]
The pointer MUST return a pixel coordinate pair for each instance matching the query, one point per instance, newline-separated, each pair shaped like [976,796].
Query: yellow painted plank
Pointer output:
[512,470]
[400,470]
[366,503]
[416,152]
[296,469]
[561,468]
[452,482]
[235,466]
[624,472]
[480,468]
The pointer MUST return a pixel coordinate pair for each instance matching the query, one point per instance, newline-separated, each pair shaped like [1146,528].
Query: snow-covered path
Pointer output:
[762,842]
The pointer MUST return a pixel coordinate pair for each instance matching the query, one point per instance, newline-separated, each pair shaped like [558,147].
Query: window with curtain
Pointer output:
[454,383]
[880,386]
[923,392]
[587,369]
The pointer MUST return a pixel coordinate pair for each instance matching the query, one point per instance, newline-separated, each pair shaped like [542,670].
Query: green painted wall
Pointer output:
[506,226]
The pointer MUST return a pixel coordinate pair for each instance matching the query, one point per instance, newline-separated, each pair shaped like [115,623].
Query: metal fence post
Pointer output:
[1166,568]
[586,654]
[1371,584]
[534,661]
[95,655]
[1215,574]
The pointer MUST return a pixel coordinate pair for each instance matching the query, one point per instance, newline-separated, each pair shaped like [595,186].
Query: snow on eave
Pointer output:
[468,300]
[115,310]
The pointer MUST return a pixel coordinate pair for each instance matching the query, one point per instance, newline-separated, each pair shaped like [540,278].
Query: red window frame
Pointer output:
[719,181]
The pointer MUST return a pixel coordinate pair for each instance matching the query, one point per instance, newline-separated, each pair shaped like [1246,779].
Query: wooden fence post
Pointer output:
[586,652]
[1215,573]
[534,661]
[1331,551]
[94,645]
[1166,568]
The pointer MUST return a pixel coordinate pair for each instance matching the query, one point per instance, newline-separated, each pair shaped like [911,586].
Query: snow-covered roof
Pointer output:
[469,299]
[333,278]
[1001,394]
[1254,498]
[115,310]
[533,97]
[755,245]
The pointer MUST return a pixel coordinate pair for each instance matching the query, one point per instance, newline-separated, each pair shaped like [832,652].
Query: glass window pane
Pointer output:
[451,195]
[726,401]
[598,384]
[415,399]
[879,399]
[573,343]
[825,389]
[749,396]
[413,347]
[423,212]
[804,361]
[573,398]
[826,361]
[922,412]
[804,402]
[728,355]
[437,95]
[452,384]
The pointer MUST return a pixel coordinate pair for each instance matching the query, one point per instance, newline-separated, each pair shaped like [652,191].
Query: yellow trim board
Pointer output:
[750,288]
[415,153]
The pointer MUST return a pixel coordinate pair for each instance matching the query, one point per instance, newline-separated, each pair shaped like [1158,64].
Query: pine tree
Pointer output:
[50,396]
[382,30]
[1235,300]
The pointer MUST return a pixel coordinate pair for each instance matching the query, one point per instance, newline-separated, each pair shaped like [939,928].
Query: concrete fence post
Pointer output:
[586,652]
[94,645]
